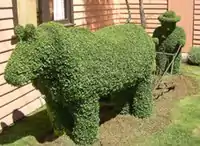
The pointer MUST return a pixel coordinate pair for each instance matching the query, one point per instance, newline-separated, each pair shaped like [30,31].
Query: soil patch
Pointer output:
[127,130]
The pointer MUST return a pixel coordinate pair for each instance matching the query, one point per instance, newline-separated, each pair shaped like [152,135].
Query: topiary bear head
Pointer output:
[22,64]
[35,53]
[169,19]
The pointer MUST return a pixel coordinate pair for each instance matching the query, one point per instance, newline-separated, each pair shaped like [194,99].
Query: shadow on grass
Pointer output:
[38,125]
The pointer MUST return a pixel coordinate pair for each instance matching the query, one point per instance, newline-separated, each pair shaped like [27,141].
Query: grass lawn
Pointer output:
[185,127]
[175,122]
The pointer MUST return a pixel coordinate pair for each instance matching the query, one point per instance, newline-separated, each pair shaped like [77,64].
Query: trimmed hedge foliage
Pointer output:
[74,68]
[170,38]
[169,16]
[194,56]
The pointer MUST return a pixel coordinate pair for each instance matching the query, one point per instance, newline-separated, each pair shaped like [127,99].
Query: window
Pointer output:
[56,10]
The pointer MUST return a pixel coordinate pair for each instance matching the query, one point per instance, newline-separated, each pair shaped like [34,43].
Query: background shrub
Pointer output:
[194,56]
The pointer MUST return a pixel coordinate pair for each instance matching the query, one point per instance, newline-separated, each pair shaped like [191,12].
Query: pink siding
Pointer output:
[196,28]
[185,10]
[152,9]
[96,14]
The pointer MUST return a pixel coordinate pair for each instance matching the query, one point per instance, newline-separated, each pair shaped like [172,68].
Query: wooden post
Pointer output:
[27,12]
[129,12]
[44,10]
[142,14]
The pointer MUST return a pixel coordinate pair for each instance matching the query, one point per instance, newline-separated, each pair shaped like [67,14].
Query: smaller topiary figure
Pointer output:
[168,39]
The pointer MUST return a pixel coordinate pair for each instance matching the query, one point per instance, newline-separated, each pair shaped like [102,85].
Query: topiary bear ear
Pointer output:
[19,32]
[30,30]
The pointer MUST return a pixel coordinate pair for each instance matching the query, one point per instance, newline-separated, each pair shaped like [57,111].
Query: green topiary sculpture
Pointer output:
[170,38]
[74,68]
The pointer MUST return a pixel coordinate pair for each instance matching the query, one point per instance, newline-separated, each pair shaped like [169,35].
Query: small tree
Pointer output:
[142,14]
[129,12]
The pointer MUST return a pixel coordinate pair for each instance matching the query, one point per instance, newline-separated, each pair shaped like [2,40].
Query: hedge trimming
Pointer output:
[170,38]
[194,56]
[74,68]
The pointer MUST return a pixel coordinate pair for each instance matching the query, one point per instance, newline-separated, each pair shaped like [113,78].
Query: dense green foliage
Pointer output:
[74,68]
[170,37]
[169,17]
[25,34]
[194,56]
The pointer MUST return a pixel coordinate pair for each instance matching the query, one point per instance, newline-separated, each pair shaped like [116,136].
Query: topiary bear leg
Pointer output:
[86,121]
[142,101]
[54,110]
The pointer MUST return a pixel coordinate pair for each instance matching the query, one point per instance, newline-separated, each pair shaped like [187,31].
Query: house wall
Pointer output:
[95,14]
[27,12]
[196,27]
[152,9]
[185,9]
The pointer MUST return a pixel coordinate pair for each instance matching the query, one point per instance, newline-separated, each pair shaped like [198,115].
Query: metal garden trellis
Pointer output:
[171,64]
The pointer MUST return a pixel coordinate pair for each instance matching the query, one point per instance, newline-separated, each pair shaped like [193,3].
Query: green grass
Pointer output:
[27,131]
[31,131]
[184,129]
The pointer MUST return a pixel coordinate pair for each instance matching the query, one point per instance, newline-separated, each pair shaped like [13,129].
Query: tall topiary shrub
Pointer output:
[170,38]
[74,68]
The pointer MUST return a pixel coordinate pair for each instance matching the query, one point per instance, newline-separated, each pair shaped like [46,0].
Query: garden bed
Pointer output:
[124,130]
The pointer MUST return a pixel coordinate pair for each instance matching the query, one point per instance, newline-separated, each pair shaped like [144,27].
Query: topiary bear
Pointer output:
[169,38]
[74,68]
